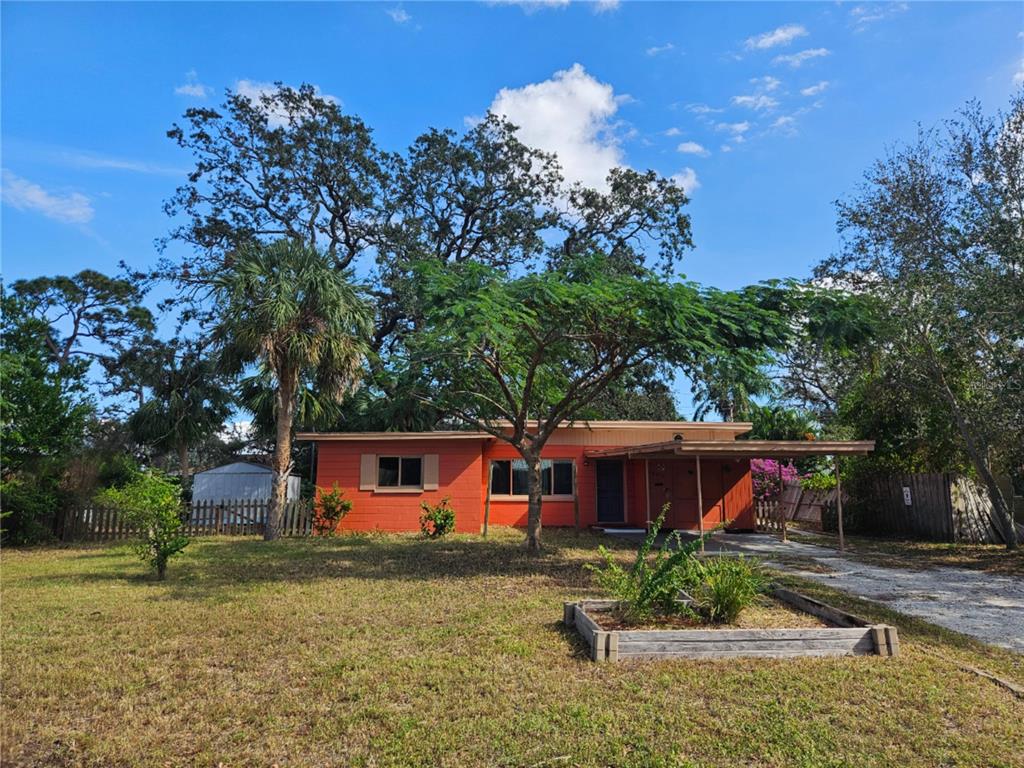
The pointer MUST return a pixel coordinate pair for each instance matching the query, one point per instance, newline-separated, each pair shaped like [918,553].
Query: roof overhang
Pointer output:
[730,449]
[350,436]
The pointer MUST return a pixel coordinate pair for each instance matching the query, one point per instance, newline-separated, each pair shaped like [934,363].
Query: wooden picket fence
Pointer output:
[230,518]
[798,505]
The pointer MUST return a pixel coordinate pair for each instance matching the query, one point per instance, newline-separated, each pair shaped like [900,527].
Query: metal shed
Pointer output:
[239,481]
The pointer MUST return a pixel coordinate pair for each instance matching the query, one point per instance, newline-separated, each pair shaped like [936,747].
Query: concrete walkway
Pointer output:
[986,606]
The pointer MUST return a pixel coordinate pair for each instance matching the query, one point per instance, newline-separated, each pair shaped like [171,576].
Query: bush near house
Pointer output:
[438,519]
[331,508]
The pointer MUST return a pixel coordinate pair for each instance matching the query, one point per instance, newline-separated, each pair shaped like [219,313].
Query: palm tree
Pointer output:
[286,310]
[188,401]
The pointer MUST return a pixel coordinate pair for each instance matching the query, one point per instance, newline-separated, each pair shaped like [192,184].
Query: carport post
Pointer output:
[839,506]
[782,509]
[700,504]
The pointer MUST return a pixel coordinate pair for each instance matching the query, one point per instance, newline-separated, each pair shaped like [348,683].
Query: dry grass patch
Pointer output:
[922,555]
[394,651]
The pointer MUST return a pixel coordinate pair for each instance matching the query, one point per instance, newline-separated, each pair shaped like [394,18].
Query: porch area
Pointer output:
[707,485]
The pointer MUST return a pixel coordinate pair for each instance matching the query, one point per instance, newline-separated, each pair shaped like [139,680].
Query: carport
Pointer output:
[675,472]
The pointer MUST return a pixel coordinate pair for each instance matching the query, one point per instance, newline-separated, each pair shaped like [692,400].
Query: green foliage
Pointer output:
[188,400]
[723,586]
[651,584]
[303,324]
[28,508]
[437,519]
[819,481]
[96,308]
[44,412]
[331,508]
[152,504]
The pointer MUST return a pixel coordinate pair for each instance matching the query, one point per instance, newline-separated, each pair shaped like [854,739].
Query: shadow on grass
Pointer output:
[212,564]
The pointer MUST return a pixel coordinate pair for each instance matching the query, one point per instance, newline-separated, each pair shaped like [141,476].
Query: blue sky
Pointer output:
[766,112]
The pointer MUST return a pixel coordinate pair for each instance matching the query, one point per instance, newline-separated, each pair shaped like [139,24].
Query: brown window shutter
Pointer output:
[367,472]
[430,472]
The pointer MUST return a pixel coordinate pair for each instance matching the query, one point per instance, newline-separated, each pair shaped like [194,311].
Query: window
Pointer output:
[508,478]
[399,471]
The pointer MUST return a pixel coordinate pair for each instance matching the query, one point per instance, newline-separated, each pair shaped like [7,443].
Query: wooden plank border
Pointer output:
[849,635]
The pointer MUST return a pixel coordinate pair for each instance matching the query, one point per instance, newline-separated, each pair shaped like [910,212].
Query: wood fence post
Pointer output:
[782,509]
[839,506]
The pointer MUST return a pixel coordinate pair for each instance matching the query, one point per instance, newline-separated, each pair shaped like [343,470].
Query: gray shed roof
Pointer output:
[238,468]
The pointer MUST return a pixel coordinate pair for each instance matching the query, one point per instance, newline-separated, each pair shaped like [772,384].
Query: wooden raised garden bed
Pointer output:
[844,635]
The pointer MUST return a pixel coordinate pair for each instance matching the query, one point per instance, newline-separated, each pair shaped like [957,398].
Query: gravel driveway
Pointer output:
[987,606]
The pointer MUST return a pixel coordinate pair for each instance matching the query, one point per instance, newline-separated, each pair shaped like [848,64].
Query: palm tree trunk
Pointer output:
[184,468]
[282,463]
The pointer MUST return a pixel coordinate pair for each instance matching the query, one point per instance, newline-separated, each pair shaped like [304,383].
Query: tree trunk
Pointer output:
[184,468]
[161,569]
[978,454]
[534,492]
[282,458]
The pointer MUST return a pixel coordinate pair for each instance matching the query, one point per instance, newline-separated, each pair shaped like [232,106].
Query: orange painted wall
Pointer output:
[459,471]
[462,476]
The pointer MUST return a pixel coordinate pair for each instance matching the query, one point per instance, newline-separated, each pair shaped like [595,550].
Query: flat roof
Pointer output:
[738,427]
[440,435]
[782,449]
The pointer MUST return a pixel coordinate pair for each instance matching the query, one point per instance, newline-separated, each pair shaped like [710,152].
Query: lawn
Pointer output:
[392,650]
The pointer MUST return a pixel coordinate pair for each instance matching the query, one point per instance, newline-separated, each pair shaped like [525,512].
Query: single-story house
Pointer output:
[239,481]
[613,473]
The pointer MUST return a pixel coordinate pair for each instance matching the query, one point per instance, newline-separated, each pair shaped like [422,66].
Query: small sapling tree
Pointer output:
[152,505]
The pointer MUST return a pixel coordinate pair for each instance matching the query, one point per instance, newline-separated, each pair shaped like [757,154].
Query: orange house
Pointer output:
[604,473]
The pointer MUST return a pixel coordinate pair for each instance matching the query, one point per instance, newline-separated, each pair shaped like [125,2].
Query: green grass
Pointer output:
[388,651]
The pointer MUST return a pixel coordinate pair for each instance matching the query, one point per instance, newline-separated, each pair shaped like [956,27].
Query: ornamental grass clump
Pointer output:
[724,586]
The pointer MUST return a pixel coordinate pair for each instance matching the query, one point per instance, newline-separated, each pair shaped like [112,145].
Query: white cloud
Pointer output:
[736,129]
[398,15]
[757,101]
[570,115]
[530,6]
[673,132]
[192,87]
[766,83]
[72,208]
[606,6]
[686,180]
[276,117]
[797,59]
[814,90]
[654,50]
[80,159]
[702,109]
[863,15]
[781,36]
[1018,76]
[786,121]
[725,148]
[692,148]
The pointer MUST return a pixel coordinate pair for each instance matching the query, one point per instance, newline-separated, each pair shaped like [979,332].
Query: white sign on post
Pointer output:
[906,496]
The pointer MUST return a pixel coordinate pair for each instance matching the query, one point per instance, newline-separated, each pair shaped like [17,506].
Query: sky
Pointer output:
[766,113]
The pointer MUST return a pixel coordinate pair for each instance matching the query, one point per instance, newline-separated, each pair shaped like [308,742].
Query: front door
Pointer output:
[610,504]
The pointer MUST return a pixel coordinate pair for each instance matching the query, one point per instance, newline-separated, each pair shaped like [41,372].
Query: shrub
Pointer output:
[331,508]
[152,504]
[765,475]
[651,584]
[437,520]
[725,586]
[27,509]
